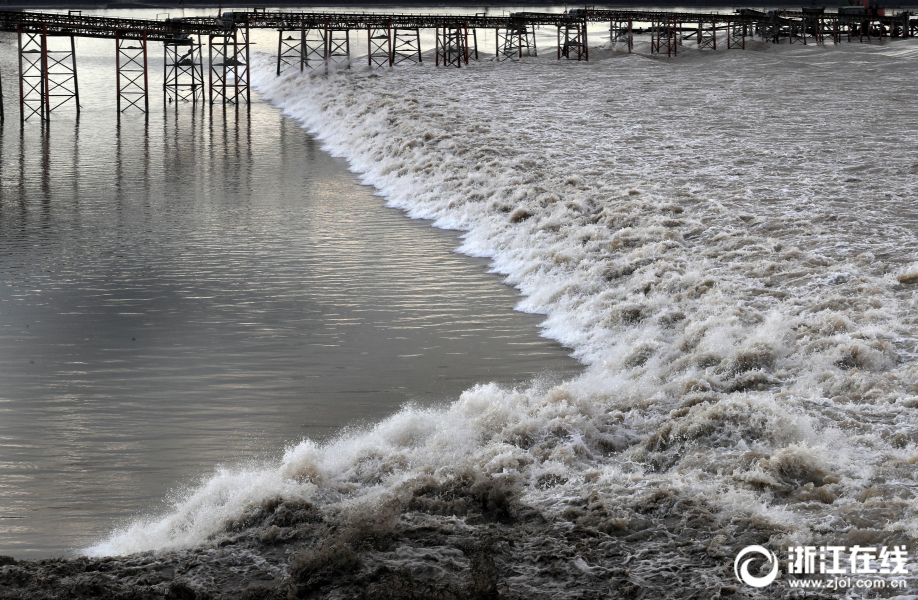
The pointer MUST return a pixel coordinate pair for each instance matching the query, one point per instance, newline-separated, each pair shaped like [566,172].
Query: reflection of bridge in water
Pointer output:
[48,71]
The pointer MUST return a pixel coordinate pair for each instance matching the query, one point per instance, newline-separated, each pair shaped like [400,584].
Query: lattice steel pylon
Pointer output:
[707,35]
[337,46]
[229,66]
[183,71]
[47,76]
[406,45]
[379,46]
[796,32]
[452,45]
[663,36]
[290,50]
[314,47]
[132,79]
[572,42]
[622,32]
[737,32]
[516,41]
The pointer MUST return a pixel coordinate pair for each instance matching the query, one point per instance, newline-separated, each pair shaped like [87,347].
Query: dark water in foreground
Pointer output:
[200,289]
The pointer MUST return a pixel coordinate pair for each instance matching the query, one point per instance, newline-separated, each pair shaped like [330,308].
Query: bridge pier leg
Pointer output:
[2,116]
[621,31]
[289,50]
[131,73]
[229,67]
[452,45]
[33,74]
[572,45]
[183,71]
[313,44]
[663,36]
[707,37]
[406,45]
[512,41]
[379,45]
[736,35]
[336,46]
[797,32]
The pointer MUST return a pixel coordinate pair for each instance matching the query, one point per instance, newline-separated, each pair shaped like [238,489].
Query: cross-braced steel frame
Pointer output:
[663,36]
[32,75]
[47,76]
[183,71]
[515,41]
[338,47]
[621,32]
[572,41]
[707,35]
[737,32]
[406,45]
[229,67]
[132,78]
[290,50]
[379,45]
[452,45]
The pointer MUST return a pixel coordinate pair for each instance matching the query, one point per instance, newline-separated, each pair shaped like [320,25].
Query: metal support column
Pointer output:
[737,31]
[406,45]
[707,36]
[337,46]
[313,43]
[33,74]
[289,51]
[452,45]
[621,31]
[572,41]
[229,66]
[183,71]
[131,73]
[663,36]
[797,32]
[379,45]
[516,41]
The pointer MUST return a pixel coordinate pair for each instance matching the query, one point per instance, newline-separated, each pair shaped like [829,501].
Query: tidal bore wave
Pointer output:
[728,251]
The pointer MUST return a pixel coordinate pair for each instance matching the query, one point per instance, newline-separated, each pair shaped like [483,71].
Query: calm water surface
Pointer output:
[198,289]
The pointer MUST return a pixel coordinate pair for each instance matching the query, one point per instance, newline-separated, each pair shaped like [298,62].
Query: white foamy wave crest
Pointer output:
[737,291]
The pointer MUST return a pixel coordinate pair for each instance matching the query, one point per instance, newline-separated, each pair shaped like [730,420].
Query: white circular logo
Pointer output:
[742,571]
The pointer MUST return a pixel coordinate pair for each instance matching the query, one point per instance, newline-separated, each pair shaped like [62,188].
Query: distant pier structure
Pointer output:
[48,63]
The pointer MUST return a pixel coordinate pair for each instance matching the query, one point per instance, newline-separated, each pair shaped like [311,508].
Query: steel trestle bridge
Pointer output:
[48,68]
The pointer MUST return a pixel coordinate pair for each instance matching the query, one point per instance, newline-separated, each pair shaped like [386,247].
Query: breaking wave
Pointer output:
[730,253]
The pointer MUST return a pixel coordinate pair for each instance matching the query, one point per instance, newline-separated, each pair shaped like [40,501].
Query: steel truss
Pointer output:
[379,46]
[338,46]
[229,67]
[290,50]
[572,42]
[663,36]
[452,45]
[797,32]
[47,76]
[737,32]
[707,35]
[516,41]
[406,45]
[622,32]
[183,71]
[131,73]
